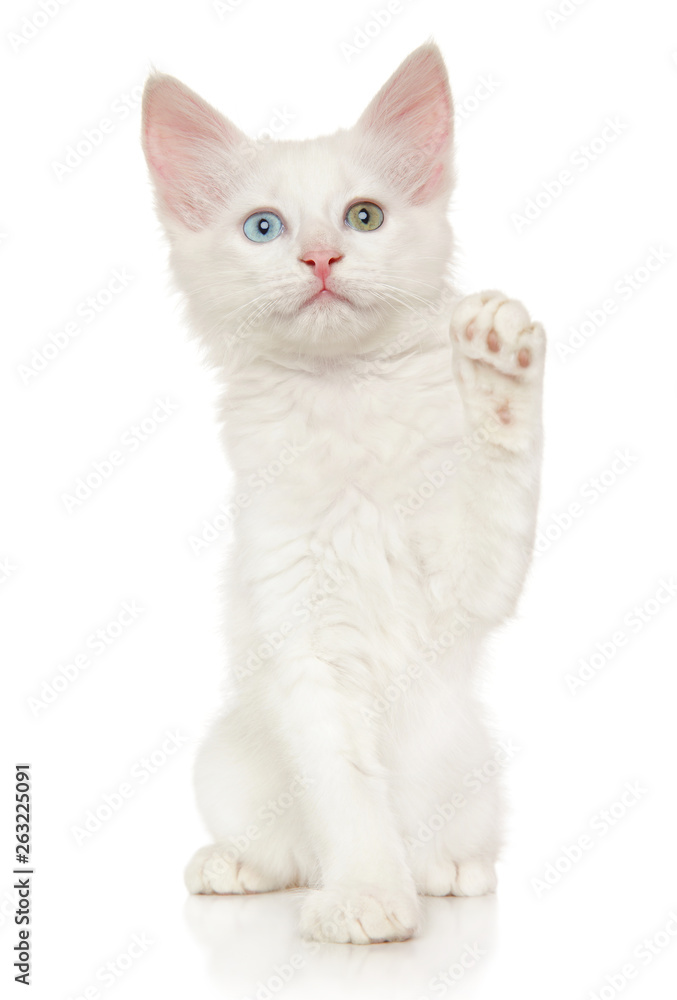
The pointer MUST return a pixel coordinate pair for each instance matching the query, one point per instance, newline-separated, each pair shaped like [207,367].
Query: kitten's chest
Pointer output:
[381,440]
[361,474]
[328,492]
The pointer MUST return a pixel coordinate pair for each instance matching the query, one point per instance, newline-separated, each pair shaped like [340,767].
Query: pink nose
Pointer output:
[321,260]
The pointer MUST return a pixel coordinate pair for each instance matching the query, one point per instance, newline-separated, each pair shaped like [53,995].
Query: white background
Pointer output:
[68,573]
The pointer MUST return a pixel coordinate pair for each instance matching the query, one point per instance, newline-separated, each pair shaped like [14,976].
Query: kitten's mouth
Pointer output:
[324,297]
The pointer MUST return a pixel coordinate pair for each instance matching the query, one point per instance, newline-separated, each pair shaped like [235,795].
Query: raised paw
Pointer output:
[498,360]
[366,915]
[473,877]
[214,870]
[492,328]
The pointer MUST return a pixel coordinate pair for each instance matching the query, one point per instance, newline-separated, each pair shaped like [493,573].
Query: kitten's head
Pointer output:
[323,247]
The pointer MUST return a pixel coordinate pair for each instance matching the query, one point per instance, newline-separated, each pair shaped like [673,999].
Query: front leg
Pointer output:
[367,892]
[498,356]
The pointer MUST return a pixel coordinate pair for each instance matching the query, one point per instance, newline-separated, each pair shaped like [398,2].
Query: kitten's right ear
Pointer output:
[191,150]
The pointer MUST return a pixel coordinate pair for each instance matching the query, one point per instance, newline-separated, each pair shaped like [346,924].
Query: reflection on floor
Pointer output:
[254,951]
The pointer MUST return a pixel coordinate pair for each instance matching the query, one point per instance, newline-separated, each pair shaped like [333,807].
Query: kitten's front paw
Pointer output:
[498,358]
[213,870]
[366,915]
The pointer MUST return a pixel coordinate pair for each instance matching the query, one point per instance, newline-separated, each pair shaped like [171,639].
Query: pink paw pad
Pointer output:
[504,414]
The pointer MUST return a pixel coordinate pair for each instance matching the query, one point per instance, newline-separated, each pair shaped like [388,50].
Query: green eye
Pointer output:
[364,216]
[262,227]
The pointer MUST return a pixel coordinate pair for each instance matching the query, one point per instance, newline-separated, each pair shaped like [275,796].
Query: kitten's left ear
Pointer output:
[408,127]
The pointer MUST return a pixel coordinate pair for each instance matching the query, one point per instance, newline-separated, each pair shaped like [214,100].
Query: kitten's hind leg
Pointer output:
[216,868]
[470,877]
[250,805]
[454,833]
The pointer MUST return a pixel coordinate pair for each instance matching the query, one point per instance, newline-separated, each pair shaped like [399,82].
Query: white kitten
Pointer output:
[387,476]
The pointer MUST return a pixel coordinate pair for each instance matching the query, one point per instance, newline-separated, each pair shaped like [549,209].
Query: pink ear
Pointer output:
[408,126]
[187,145]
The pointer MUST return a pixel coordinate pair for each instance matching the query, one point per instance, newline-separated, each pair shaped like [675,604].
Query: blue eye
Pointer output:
[261,227]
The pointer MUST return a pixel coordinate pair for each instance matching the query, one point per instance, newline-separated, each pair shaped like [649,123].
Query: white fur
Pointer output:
[395,529]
